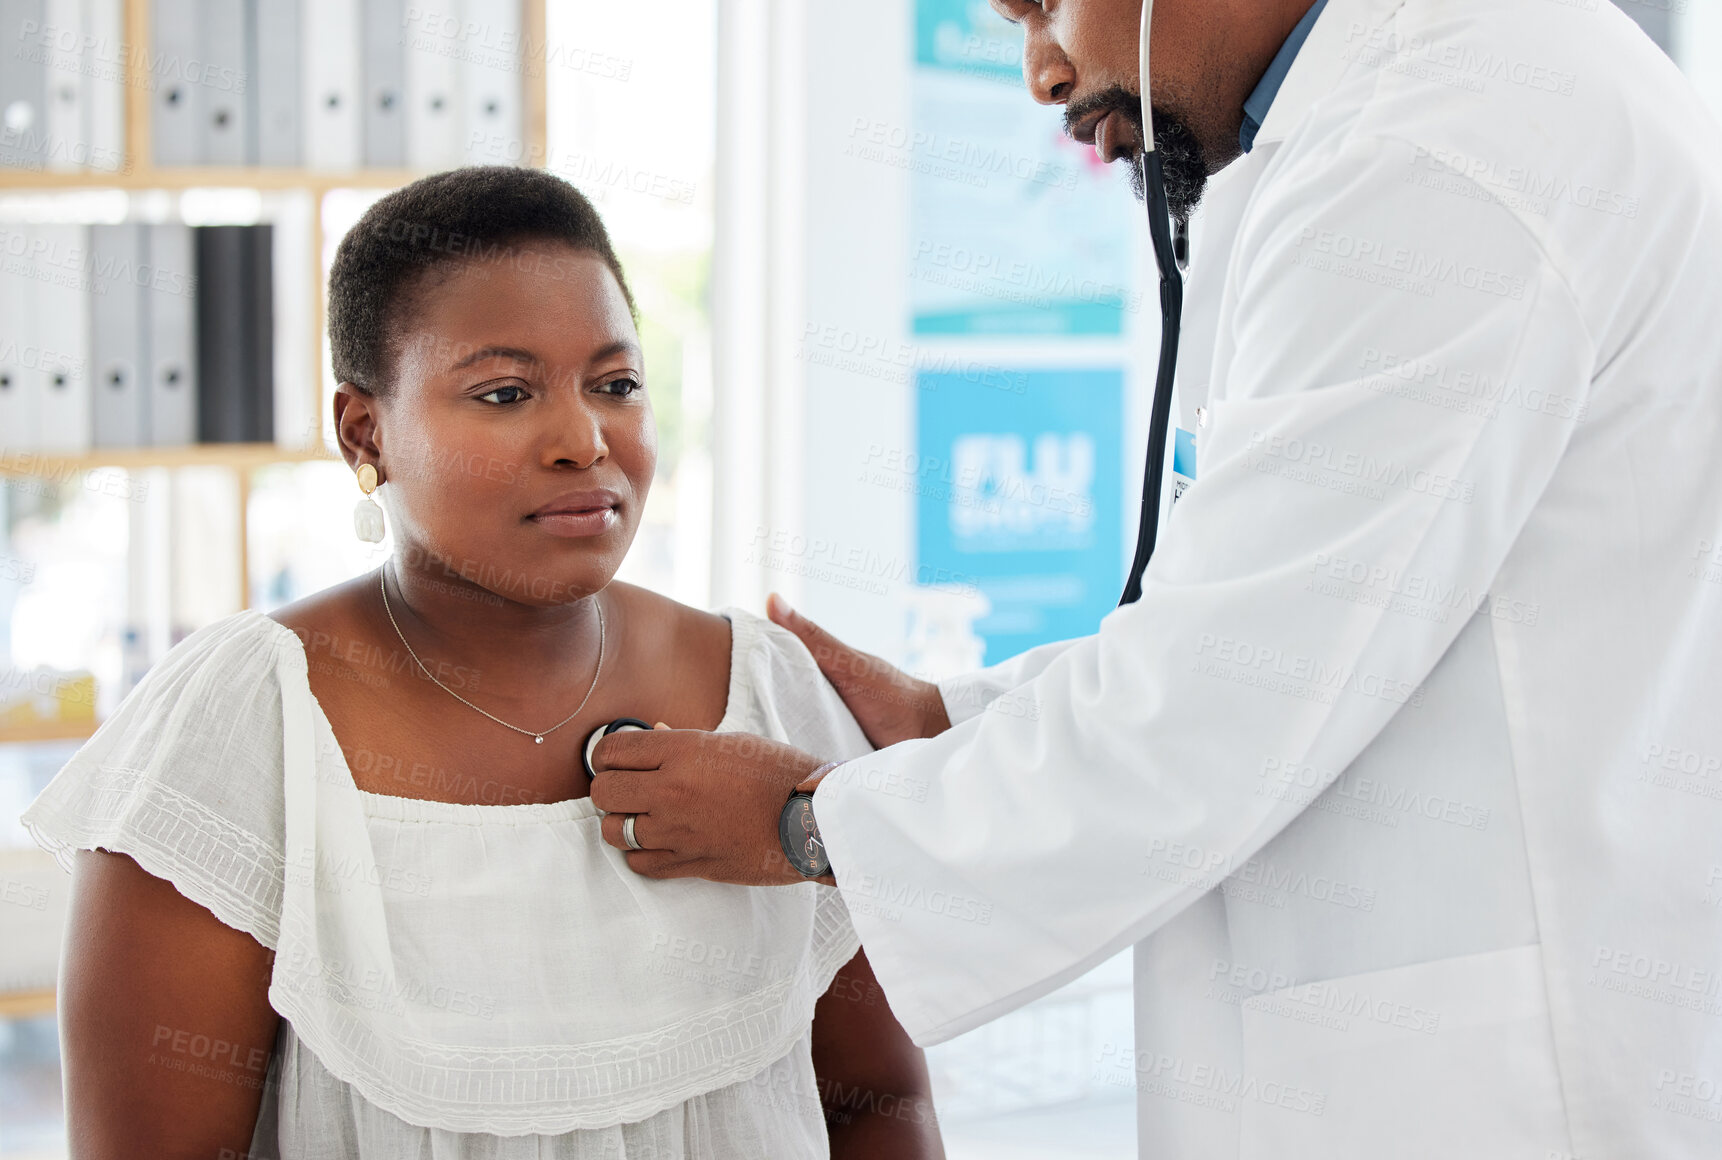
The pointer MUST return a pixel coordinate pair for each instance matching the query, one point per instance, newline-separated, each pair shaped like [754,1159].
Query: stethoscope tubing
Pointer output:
[1160,414]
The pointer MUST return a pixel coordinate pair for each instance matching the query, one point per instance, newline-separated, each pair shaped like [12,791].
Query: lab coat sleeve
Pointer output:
[1398,372]
[971,693]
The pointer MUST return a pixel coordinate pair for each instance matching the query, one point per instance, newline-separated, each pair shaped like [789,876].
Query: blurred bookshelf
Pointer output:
[144,71]
[137,172]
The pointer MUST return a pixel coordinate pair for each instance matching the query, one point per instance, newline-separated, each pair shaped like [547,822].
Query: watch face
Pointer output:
[800,836]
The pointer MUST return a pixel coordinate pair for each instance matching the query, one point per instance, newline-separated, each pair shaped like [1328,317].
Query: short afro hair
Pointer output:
[438,222]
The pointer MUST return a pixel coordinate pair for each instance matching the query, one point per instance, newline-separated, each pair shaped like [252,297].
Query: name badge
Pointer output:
[1183,463]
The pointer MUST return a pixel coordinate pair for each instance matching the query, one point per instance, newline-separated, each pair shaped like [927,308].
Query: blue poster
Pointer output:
[968,36]
[1015,229]
[1019,492]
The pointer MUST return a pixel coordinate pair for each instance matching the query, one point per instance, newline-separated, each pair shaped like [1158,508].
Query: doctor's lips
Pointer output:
[1106,121]
[579,513]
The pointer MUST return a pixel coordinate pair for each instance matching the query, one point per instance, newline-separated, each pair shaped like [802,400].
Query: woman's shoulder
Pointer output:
[731,639]
[672,625]
[764,645]
[676,659]
[185,776]
[247,641]
[222,679]
[739,660]
[209,706]
[208,677]
[324,611]
[778,690]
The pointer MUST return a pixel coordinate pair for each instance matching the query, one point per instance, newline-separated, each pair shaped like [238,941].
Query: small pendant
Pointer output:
[539,740]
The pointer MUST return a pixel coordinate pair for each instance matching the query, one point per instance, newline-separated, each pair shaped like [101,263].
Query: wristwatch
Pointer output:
[798,830]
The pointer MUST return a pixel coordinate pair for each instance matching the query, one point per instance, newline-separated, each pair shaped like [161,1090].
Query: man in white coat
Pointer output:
[1404,775]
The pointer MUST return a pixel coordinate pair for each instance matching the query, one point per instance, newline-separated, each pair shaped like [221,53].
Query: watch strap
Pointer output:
[804,787]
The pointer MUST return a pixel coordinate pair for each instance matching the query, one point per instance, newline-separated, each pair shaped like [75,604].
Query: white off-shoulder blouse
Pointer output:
[471,981]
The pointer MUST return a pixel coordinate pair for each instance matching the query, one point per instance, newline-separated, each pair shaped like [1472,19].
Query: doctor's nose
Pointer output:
[1046,71]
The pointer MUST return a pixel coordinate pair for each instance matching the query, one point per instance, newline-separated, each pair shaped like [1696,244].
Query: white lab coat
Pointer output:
[1405,775]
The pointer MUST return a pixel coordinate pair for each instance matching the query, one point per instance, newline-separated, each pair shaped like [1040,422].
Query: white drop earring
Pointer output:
[367,516]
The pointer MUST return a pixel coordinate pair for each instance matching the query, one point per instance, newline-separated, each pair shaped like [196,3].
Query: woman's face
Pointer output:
[518,443]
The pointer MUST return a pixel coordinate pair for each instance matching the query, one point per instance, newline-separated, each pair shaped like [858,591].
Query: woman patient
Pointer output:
[338,885]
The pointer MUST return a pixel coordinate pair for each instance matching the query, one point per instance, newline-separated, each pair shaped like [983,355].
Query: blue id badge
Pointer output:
[1183,463]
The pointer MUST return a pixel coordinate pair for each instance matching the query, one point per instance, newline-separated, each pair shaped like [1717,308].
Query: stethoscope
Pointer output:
[1166,257]
[619,725]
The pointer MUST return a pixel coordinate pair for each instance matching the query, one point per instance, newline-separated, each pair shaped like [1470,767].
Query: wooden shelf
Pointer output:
[217,176]
[47,731]
[24,1004]
[236,455]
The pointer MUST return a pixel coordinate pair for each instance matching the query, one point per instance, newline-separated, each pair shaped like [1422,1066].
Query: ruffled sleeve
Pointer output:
[780,693]
[186,777]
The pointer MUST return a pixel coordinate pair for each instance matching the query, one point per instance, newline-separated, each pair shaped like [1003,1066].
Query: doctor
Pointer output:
[1404,775]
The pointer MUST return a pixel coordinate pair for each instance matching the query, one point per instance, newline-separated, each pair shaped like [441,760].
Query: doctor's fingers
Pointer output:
[650,832]
[665,864]
[847,668]
[638,748]
[665,846]
[626,791]
[888,704]
[659,864]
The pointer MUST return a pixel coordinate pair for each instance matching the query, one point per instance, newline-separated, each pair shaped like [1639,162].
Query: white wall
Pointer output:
[808,236]
[1698,46]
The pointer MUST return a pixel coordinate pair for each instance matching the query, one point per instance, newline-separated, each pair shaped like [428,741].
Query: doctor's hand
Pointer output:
[707,804]
[888,704]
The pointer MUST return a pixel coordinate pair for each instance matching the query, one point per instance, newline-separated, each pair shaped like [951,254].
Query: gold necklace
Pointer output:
[537,737]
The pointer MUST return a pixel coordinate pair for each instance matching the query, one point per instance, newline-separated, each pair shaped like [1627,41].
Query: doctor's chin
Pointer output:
[929,580]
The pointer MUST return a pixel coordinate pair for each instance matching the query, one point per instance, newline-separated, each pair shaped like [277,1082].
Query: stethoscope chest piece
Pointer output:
[619,725]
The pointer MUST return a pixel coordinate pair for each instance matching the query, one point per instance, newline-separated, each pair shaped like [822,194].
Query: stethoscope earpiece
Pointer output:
[619,725]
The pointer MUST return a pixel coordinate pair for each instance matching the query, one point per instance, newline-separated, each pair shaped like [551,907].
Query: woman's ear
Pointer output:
[356,426]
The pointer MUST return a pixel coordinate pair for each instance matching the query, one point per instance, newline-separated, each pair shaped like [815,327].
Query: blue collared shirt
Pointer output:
[1256,108]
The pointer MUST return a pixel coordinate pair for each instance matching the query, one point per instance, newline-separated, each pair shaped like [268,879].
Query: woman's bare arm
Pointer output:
[165,1023]
[872,1078]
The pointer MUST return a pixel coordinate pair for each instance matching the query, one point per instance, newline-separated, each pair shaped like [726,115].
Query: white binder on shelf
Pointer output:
[276,54]
[297,414]
[176,94]
[383,72]
[19,351]
[105,90]
[226,124]
[491,59]
[334,132]
[434,103]
[62,290]
[170,342]
[23,90]
[67,130]
[118,261]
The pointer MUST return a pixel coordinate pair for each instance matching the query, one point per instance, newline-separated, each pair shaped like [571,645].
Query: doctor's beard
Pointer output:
[1181,158]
